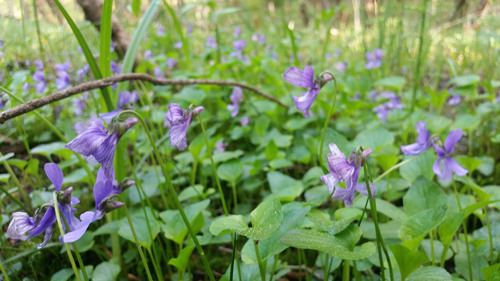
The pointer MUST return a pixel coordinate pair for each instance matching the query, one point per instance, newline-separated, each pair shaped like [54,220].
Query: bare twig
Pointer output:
[101,83]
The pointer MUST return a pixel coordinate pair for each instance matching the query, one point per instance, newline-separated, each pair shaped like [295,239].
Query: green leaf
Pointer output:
[48,149]
[231,170]
[384,207]
[136,7]
[374,138]
[141,227]
[6,156]
[334,245]
[430,273]
[191,94]
[394,82]
[62,275]
[407,260]
[271,150]
[293,215]
[105,31]
[469,163]
[342,219]
[266,219]
[466,80]
[106,271]
[128,61]
[466,122]
[182,260]
[491,273]
[283,186]
[462,265]
[420,166]
[174,226]
[449,227]
[224,156]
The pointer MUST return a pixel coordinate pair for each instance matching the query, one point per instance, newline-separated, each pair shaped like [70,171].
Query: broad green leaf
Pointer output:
[271,150]
[417,226]
[283,186]
[462,265]
[449,227]
[466,80]
[106,271]
[407,260]
[331,244]
[423,195]
[342,219]
[293,215]
[420,166]
[393,82]
[491,273]
[295,124]
[374,138]
[6,156]
[191,95]
[62,275]
[266,220]
[174,226]
[141,227]
[182,260]
[225,156]
[136,7]
[469,163]
[466,122]
[231,170]
[430,273]
[48,149]
[385,208]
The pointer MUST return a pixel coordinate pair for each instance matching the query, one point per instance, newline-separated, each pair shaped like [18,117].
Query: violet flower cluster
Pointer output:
[444,165]
[236,98]
[384,109]
[305,79]
[374,59]
[39,77]
[346,170]
[179,121]
[62,81]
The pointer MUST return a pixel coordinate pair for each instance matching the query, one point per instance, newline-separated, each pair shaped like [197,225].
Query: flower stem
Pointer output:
[373,207]
[61,230]
[137,243]
[345,273]
[489,234]
[25,196]
[259,261]
[214,169]
[328,117]
[464,226]
[170,186]
[394,168]
[4,273]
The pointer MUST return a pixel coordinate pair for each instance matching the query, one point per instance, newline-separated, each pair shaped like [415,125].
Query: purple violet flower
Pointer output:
[305,79]
[190,30]
[384,109]
[445,165]
[211,42]
[84,70]
[259,38]
[160,31]
[45,216]
[98,144]
[104,191]
[374,59]
[220,146]
[346,170]
[39,64]
[239,46]
[158,73]
[341,66]
[62,74]
[126,97]
[179,121]
[423,141]
[178,45]
[236,98]
[39,77]
[237,32]
[455,100]
[373,95]
[328,56]
[497,100]
[148,54]
[171,63]
[245,120]
[79,106]
[337,53]
[115,68]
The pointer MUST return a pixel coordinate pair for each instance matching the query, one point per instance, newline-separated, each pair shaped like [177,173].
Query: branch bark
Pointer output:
[101,83]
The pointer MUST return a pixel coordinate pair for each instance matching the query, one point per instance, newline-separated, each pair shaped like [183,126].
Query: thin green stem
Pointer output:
[137,243]
[61,230]
[235,196]
[464,226]
[373,207]
[489,234]
[328,117]
[433,260]
[214,168]
[23,193]
[259,261]
[345,273]
[17,201]
[416,76]
[4,273]
[274,268]
[394,168]
[173,194]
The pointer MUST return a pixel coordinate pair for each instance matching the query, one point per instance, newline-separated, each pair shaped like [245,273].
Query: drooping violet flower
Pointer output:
[178,45]
[220,146]
[45,216]
[98,144]
[115,68]
[179,121]
[423,141]
[259,38]
[160,31]
[211,43]
[445,165]
[26,86]
[148,54]
[104,191]
[39,77]
[346,170]
[126,97]
[237,98]
[190,30]
[158,73]
[171,63]
[245,120]
[237,32]
[305,79]
[341,66]
[238,46]
[455,100]
[374,59]
[62,74]
[82,71]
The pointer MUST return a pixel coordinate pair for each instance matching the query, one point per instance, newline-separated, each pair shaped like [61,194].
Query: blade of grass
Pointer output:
[178,28]
[128,61]
[88,54]
[294,46]
[37,24]
[105,42]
